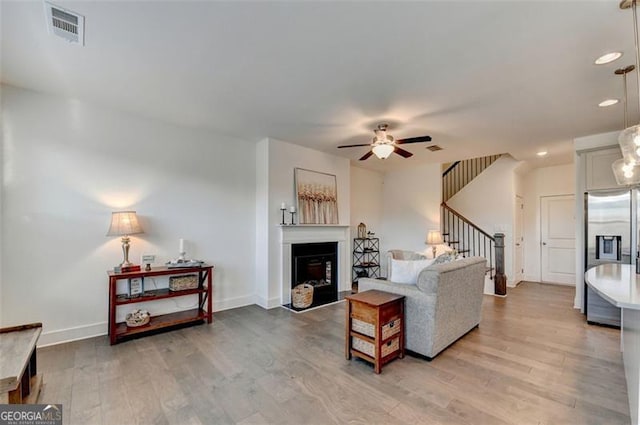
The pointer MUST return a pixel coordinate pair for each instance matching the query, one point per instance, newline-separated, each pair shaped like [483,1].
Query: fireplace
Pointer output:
[316,264]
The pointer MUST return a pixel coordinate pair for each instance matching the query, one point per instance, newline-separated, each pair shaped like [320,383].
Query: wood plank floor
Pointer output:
[533,360]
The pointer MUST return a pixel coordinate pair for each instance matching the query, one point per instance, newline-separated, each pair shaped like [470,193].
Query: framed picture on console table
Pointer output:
[136,287]
[317,197]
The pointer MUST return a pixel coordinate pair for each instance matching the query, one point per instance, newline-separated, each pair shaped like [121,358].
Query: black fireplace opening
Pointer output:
[316,264]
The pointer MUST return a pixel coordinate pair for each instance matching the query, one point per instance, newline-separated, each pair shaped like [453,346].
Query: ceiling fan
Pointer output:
[383,144]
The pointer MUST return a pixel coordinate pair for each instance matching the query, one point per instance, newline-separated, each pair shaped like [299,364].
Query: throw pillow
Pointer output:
[406,272]
[444,258]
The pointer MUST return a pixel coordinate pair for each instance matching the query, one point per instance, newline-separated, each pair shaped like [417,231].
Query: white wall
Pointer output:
[366,199]
[489,202]
[411,207]
[69,164]
[2,131]
[539,182]
[282,159]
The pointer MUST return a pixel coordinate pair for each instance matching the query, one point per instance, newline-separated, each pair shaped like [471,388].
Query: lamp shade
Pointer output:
[434,238]
[124,223]
[383,151]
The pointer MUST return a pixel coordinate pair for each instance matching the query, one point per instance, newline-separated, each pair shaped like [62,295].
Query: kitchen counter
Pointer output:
[620,285]
[617,283]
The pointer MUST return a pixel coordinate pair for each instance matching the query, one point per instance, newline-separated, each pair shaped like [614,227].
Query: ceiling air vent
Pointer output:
[434,148]
[65,23]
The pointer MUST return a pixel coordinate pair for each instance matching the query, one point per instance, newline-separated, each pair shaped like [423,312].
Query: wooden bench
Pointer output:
[18,369]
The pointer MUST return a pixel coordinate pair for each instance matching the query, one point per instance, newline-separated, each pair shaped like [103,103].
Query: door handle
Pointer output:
[544,243]
[517,244]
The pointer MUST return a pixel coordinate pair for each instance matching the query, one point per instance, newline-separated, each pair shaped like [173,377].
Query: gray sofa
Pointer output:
[445,304]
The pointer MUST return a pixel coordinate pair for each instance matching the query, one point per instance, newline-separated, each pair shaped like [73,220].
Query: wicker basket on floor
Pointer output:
[302,295]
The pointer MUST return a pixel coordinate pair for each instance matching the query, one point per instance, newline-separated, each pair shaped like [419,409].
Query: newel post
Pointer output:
[500,280]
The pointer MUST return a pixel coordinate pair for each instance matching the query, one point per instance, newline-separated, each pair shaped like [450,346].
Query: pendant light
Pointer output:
[629,138]
[627,169]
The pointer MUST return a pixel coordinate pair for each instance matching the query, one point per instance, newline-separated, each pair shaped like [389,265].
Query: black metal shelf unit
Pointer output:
[366,258]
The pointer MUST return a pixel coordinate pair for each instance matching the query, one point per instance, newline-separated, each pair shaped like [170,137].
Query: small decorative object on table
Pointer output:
[362,230]
[136,287]
[176,264]
[181,261]
[302,295]
[184,282]
[137,318]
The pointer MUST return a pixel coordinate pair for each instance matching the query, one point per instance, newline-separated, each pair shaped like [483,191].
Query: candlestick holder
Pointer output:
[293,222]
[283,210]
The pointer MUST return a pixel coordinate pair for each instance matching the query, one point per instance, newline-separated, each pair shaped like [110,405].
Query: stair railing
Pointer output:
[470,240]
[460,173]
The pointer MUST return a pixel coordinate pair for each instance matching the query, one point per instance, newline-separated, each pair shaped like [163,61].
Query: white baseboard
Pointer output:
[267,304]
[72,334]
[230,303]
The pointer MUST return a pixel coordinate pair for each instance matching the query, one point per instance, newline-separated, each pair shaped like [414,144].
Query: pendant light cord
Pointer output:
[624,85]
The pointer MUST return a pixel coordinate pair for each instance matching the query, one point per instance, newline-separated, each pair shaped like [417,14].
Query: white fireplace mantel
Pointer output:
[309,233]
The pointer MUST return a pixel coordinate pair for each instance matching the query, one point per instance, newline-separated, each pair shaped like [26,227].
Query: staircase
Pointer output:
[460,173]
[468,239]
[461,233]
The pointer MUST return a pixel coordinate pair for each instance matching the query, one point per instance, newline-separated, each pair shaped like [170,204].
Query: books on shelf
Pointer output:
[127,269]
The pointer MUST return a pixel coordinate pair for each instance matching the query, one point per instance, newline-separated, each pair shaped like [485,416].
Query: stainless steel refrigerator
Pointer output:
[610,235]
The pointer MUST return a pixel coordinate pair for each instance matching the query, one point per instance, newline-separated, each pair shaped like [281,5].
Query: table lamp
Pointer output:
[434,238]
[124,223]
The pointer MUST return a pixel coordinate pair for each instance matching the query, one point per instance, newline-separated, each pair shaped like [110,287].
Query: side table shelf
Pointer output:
[118,331]
[366,258]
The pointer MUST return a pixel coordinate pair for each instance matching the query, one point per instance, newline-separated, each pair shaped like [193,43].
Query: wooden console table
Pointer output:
[374,328]
[18,367]
[118,331]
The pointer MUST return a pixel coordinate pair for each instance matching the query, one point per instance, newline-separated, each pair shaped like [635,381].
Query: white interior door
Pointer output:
[558,239]
[519,240]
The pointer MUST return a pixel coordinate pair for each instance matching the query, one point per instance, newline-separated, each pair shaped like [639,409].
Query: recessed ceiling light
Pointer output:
[608,58]
[541,153]
[608,102]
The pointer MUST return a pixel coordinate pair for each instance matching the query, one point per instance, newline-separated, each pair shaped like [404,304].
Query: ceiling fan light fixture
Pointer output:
[608,58]
[383,151]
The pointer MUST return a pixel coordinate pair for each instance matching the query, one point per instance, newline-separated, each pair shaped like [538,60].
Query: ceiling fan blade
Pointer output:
[353,146]
[366,155]
[414,140]
[402,152]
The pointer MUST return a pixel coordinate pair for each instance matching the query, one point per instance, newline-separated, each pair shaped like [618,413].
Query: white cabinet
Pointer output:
[599,174]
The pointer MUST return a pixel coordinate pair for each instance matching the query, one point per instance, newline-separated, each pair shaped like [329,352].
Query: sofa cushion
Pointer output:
[406,272]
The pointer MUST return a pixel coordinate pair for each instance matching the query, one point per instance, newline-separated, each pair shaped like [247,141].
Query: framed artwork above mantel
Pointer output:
[316,196]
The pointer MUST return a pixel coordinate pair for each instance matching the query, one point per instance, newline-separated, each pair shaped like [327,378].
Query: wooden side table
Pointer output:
[119,331]
[374,328]
[18,366]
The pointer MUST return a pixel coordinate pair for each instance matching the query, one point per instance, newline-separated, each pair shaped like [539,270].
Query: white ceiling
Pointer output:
[479,77]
